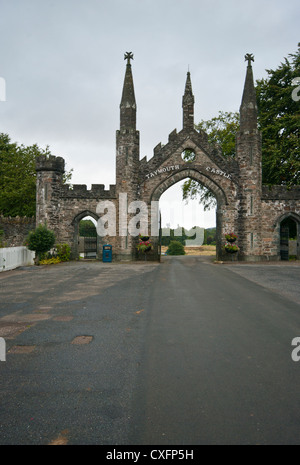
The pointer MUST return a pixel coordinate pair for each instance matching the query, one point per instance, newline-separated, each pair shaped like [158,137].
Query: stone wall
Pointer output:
[73,209]
[274,211]
[281,193]
[255,219]
[15,229]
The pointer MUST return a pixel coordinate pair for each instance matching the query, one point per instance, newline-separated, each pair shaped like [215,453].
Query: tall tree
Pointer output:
[18,177]
[279,122]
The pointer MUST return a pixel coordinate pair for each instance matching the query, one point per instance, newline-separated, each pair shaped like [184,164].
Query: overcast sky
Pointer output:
[63,65]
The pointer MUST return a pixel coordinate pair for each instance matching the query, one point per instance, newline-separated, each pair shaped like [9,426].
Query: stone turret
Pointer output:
[248,155]
[51,163]
[248,108]
[127,138]
[128,103]
[127,159]
[49,181]
[188,104]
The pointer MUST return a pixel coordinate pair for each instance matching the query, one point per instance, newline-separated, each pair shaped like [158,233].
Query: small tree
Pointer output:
[176,248]
[41,240]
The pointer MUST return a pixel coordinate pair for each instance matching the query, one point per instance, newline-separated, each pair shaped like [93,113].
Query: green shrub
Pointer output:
[176,248]
[50,261]
[63,252]
[40,241]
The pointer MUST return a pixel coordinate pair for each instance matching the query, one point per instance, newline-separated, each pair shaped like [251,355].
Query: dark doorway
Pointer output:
[88,238]
[288,239]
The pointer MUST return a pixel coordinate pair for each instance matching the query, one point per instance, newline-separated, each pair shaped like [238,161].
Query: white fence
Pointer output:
[12,257]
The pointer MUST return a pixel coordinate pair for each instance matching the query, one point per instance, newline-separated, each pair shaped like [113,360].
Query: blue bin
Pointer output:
[107,253]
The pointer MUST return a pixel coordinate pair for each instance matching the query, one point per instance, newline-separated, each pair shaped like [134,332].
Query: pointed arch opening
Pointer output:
[186,222]
[195,175]
[215,190]
[86,240]
[289,234]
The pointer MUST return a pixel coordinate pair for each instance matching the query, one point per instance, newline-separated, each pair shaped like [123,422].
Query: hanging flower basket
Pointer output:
[231,248]
[144,246]
[144,238]
[231,237]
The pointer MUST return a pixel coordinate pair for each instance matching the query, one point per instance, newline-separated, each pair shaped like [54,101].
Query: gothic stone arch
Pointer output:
[208,168]
[296,244]
[75,224]
[245,206]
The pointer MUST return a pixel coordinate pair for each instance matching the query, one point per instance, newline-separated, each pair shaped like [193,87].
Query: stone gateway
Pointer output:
[260,216]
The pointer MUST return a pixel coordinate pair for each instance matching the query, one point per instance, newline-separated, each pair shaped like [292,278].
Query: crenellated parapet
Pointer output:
[50,163]
[80,191]
[280,193]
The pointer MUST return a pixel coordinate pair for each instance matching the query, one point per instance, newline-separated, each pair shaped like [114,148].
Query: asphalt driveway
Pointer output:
[177,353]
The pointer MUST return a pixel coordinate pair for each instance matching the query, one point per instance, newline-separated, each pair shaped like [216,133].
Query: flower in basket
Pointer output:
[231,248]
[231,237]
[144,246]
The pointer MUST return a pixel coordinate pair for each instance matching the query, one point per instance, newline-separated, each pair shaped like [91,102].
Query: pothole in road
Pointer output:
[21,349]
[80,340]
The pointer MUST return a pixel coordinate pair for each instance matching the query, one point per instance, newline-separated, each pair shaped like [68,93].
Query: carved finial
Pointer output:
[128,56]
[249,57]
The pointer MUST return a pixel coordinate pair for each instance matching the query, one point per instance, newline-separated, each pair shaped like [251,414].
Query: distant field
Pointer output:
[202,250]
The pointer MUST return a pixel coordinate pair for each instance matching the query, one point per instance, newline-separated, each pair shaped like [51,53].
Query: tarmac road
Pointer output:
[185,352]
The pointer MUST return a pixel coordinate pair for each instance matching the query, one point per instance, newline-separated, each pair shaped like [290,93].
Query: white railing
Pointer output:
[12,257]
